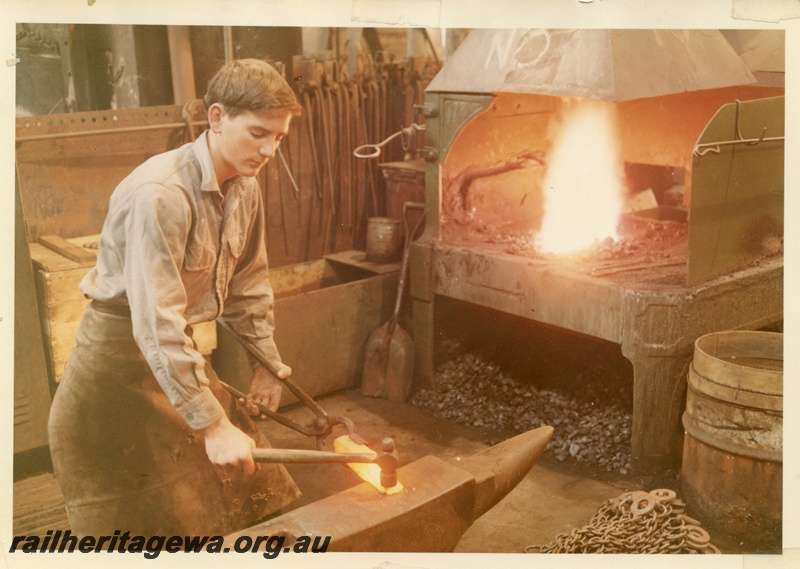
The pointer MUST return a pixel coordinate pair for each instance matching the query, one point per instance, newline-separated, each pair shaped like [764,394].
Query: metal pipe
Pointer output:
[122,129]
[227,33]
[181,65]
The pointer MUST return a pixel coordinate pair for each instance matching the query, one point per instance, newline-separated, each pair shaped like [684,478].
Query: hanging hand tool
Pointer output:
[325,114]
[289,173]
[284,227]
[308,109]
[320,428]
[365,172]
[347,142]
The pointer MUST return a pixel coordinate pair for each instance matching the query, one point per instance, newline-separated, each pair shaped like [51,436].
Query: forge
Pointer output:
[673,114]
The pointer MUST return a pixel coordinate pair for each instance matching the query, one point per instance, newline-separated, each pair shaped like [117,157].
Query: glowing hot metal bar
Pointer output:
[380,473]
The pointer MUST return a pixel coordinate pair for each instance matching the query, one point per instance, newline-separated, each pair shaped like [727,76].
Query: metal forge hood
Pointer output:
[610,65]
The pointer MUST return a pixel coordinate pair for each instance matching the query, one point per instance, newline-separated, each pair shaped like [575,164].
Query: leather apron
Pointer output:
[126,460]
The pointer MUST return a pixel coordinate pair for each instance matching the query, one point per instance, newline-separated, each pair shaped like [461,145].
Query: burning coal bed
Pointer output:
[474,392]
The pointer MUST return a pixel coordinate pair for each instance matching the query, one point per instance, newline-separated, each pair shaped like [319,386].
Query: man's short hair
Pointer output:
[250,85]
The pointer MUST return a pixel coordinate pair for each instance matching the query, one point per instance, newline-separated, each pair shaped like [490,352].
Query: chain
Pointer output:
[635,522]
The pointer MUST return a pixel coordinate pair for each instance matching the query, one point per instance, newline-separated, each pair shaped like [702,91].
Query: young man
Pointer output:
[143,438]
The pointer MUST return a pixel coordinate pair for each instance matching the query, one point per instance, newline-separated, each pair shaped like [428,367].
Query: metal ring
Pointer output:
[697,537]
[373,154]
[663,495]
[642,503]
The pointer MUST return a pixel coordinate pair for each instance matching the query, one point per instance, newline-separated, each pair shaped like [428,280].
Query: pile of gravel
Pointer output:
[474,392]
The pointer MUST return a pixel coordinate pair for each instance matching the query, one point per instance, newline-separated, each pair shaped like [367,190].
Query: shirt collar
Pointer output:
[208,181]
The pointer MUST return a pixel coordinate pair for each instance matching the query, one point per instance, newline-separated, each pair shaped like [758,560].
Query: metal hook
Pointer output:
[760,138]
[739,137]
[738,104]
[714,147]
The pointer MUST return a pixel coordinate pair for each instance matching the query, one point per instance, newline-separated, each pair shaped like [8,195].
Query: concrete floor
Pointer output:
[549,501]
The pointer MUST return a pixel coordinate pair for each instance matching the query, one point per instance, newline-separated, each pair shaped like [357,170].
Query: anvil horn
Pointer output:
[498,469]
[440,502]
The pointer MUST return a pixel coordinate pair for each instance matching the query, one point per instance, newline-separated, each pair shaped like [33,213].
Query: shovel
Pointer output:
[389,361]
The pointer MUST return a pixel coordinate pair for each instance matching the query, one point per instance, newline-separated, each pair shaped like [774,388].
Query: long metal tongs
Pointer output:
[320,427]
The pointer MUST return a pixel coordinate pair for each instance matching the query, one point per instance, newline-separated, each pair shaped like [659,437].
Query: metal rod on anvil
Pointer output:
[387,460]
[444,500]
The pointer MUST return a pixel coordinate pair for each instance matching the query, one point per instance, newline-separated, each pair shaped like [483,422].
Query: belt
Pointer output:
[125,311]
[112,308]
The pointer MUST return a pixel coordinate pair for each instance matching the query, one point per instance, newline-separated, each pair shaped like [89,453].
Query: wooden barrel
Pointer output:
[732,471]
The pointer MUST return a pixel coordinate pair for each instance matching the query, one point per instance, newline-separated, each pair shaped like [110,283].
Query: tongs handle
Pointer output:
[285,421]
[262,359]
[301,456]
[322,425]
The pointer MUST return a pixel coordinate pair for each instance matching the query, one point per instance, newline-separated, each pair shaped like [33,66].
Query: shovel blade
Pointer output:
[388,364]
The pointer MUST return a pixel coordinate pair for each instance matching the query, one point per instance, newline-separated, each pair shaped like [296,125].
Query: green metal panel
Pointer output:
[451,112]
[736,210]
[455,111]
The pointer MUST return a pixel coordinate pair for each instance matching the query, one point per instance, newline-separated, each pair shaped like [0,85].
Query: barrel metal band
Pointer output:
[694,429]
[757,399]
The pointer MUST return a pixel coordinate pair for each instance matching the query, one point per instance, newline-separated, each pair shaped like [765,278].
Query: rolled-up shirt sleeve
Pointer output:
[156,232]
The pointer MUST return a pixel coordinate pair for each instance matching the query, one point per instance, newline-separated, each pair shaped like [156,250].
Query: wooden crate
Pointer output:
[59,266]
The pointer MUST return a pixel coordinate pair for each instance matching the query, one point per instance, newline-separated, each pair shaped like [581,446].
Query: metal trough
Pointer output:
[324,312]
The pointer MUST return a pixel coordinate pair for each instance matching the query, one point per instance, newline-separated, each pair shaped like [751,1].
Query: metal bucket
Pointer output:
[732,470]
[383,240]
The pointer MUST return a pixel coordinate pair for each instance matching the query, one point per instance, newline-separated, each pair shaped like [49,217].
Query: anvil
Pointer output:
[441,500]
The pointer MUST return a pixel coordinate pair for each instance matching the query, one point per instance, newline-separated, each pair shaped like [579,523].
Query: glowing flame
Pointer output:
[583,183]
[369,472]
